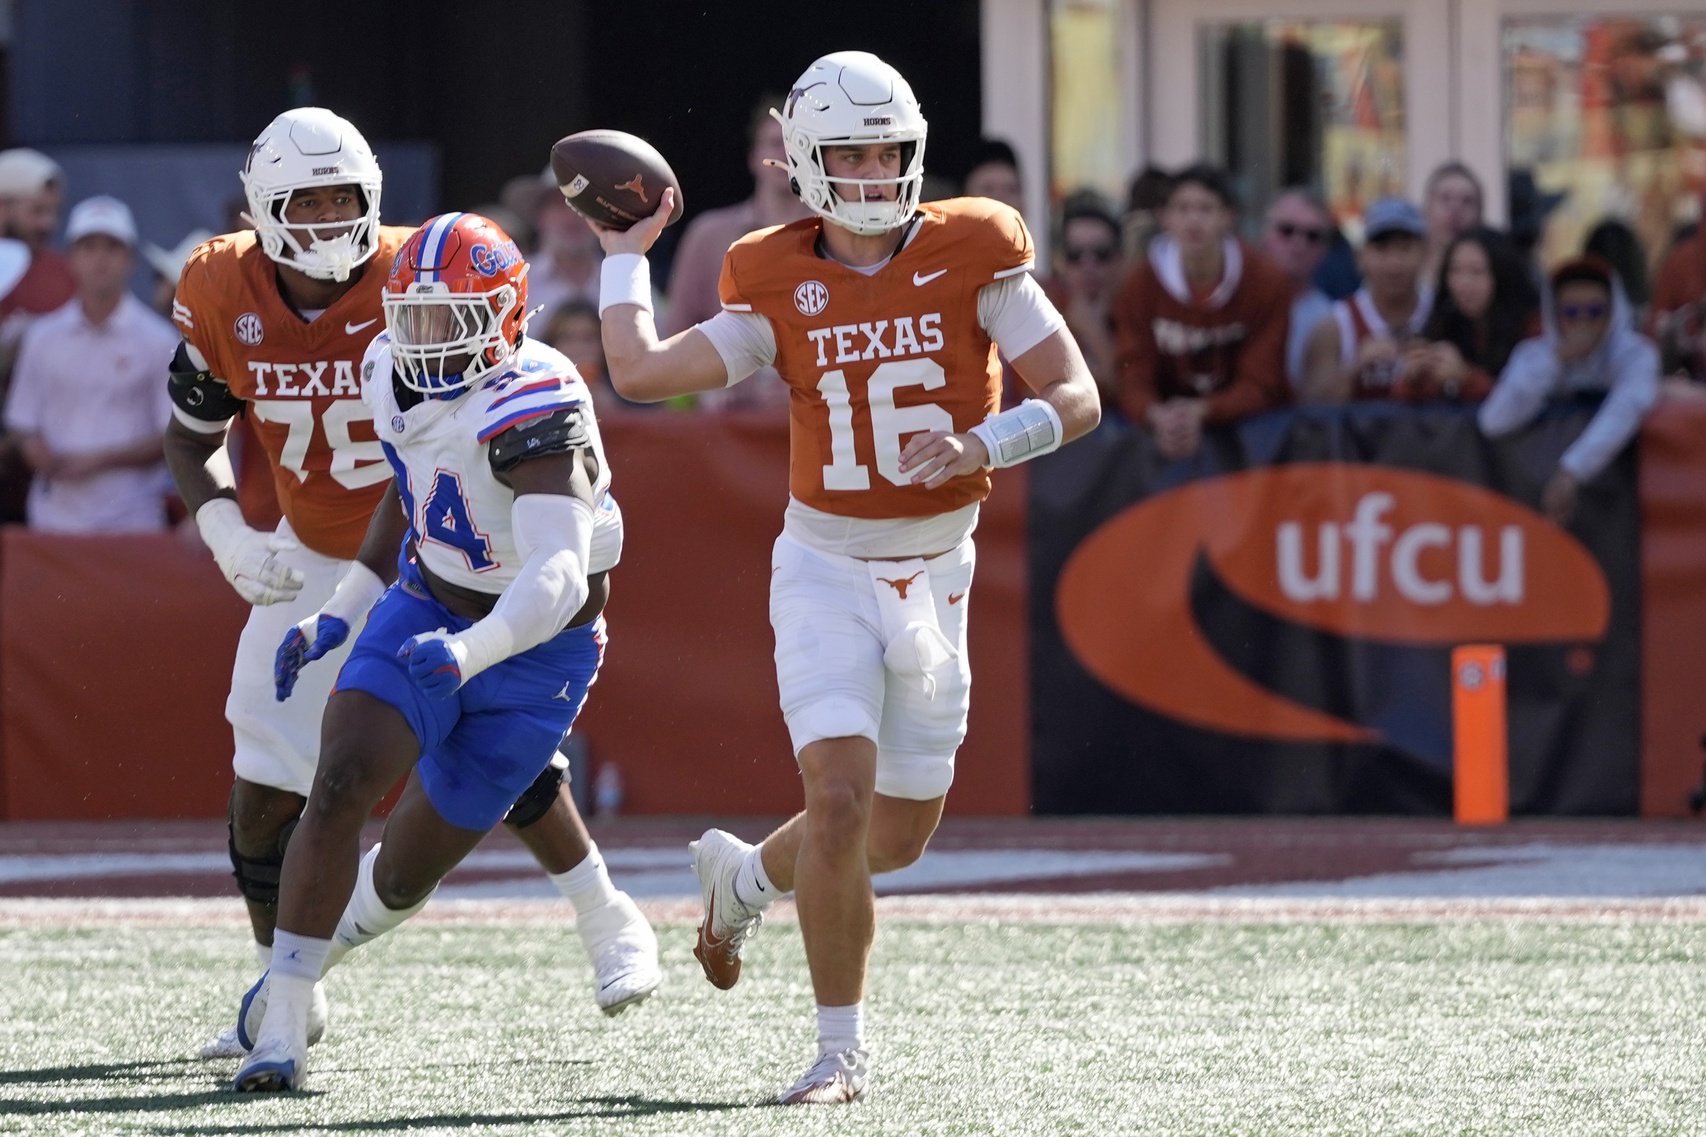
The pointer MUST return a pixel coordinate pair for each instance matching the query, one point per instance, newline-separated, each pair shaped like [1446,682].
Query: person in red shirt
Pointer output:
[1678,303]
[1202,321]
[32,191]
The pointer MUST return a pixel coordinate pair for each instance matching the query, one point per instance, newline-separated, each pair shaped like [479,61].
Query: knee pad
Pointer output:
[828,718]
[536,800]
[258,877]
[914,777]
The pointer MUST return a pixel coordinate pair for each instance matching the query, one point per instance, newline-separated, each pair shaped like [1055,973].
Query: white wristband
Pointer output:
[358,591]
[220,520]
[1020,433]
[484,643]
[625,278]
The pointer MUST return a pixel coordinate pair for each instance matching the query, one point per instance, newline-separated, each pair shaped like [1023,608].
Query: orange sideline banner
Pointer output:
[1673,606]
[115,653]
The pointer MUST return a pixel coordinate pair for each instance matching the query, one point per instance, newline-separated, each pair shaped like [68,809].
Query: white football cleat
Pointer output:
[728,920]
[624,952]
[275,1065]
[225,1044]
[834,1079]
[254,1009]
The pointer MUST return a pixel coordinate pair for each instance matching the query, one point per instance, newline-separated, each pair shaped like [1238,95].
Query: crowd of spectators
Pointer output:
[1444,309]
[81,361]
[1186,324]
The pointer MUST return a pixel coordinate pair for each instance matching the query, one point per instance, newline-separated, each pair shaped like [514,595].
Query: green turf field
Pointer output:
[1493,1026]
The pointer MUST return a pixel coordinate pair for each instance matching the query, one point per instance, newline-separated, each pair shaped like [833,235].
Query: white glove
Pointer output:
[245,555]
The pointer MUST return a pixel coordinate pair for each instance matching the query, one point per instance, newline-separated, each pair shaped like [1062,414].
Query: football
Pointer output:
[612,177]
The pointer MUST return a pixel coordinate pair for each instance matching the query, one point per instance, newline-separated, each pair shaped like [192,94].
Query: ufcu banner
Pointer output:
[1268,627]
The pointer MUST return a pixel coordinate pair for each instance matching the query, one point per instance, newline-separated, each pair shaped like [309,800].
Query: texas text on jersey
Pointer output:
[872,359]
[459,513]
[295,379]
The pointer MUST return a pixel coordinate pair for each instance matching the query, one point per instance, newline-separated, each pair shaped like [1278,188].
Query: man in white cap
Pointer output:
[86,404]
[32,189]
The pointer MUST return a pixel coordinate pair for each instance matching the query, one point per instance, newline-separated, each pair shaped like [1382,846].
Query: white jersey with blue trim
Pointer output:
[459,513]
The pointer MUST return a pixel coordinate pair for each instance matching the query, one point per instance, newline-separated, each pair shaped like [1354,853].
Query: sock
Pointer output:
[365,916]
[752,883]
[587,885]
[298,957]
[840,1028]
[263,952]
[290,990]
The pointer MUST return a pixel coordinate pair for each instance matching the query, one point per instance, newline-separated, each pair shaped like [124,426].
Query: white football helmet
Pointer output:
[852,98]
[311,146]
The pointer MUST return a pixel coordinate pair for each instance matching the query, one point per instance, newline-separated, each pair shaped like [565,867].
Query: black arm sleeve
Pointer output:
[200,394]
[556,433]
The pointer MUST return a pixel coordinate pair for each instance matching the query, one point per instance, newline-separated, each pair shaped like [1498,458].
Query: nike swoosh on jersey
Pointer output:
[351,329]
[953,599]
[920,279]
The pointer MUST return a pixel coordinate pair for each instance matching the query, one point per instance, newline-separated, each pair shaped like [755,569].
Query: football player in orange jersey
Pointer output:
[883,316]
[275,323]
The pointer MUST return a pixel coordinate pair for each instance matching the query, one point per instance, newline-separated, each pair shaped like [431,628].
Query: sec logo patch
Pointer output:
[811,298]
[248,329]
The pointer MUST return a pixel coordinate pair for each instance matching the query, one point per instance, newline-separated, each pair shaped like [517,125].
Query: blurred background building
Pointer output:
[1599,102]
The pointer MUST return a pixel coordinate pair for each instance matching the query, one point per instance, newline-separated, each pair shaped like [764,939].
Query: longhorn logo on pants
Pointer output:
[902,585]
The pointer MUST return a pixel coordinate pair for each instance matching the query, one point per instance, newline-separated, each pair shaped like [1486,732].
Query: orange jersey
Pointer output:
[299,380]
[872,360]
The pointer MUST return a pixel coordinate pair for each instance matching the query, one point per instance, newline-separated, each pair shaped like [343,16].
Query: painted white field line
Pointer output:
[1539,869]
[644,872]
[1099,908]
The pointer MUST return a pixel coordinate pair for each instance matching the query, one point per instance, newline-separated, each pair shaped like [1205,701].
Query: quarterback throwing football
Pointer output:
[883,316]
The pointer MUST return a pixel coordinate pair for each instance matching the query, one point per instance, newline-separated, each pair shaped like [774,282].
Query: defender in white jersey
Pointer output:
[883,317]
[474,664]
[302,296]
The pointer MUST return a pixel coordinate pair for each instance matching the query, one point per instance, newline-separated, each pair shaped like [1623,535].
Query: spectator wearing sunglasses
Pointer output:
[1201,321]
[1087,271]
[1295,236]
[1484,305]
[1588,345]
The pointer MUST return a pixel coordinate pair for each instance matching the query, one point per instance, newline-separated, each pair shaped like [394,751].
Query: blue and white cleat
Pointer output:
[254,1009]
[273,1066]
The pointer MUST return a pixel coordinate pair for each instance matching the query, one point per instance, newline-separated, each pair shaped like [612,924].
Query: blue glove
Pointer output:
[298,650]
[432,664]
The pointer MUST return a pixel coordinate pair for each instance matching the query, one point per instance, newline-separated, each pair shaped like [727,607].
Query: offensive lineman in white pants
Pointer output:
[884,317]
[275,322]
